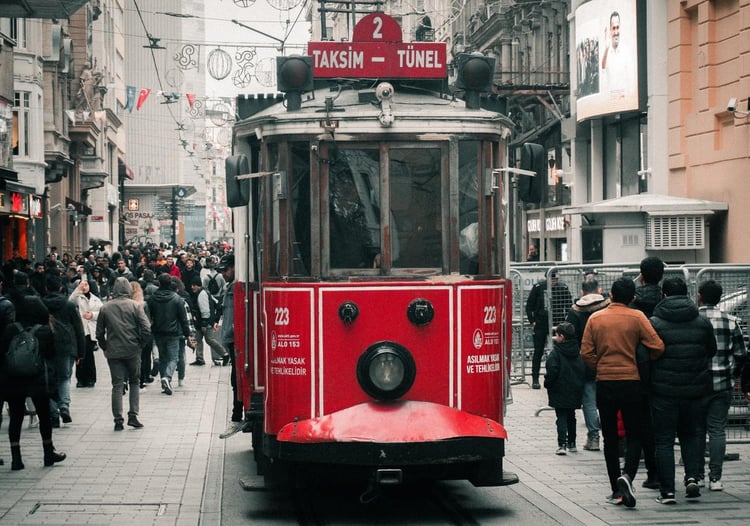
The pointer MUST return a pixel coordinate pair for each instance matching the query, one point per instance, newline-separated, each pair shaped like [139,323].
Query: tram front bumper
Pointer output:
[402,433]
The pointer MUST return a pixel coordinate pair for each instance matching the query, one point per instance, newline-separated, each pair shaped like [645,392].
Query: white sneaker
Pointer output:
[234,427]
[561,451]
[716,485]
[179,383]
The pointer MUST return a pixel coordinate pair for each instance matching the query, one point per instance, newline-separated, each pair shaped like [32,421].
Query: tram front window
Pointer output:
[415,205]
[415,212]
[355,209]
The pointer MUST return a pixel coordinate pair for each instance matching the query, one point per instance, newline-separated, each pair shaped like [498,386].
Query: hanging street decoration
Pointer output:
[145,92]
[219,64]
[187,57]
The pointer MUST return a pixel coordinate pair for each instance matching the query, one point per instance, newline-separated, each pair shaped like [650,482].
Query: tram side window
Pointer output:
[354,208]
[300,202]
[415,207]
[468,206]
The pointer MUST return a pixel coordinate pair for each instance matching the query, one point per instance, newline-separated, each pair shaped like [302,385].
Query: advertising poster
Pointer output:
[606,58]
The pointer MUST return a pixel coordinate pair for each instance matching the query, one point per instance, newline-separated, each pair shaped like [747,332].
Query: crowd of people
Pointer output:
[656,366]
[143,306]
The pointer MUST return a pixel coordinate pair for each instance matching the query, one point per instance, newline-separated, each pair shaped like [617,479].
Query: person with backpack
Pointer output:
[206,315]
[27,368]
[213,281]
[70,341]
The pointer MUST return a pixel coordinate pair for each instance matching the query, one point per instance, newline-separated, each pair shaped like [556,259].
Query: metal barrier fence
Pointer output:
[735,281]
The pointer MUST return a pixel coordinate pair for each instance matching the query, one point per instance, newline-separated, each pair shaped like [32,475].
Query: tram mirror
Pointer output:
[238,192]
[533,158]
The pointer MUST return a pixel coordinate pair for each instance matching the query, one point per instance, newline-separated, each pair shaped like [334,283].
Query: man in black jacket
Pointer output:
[647,296]
[680,385]
[70,341]
[169,323]
[538,316]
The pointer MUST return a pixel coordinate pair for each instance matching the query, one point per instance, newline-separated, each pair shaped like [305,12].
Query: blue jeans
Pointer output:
[169,348]
[687,420]
[64,373]
[590,414]
[717,411]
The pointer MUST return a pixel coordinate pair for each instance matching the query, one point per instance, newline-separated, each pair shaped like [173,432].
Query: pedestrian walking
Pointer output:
[726,367]
[70,341]
[647,296]
[609,347]
[89,305]
[563,379]
[539,317]
[591,301]
[206,315]
[30,314]
[226,267]
[680,386]
[121,329]
[169,322]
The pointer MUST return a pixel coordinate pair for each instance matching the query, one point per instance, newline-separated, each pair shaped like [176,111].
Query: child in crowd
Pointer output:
[564,383]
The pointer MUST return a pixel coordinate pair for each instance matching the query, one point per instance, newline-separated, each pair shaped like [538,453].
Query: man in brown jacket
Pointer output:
[609,347]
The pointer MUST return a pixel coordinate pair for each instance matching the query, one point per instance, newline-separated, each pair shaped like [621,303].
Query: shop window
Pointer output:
[591,241]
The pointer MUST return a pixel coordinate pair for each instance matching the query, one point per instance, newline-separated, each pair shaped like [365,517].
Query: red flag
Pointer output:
[142,96]
[190,98]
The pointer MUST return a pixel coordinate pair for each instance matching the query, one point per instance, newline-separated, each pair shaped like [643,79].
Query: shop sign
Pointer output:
[551,224]
[96,219]
[35,207]
[18,205]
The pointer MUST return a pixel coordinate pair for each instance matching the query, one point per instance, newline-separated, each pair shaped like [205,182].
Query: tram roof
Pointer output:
[354,109]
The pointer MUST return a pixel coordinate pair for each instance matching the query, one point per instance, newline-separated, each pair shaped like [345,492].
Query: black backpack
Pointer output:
[213,286]
[215,309]
[23,358]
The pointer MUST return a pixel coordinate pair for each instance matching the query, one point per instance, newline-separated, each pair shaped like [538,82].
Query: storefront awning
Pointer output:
[40,8]
[8,175]
[651,204]
[124,171]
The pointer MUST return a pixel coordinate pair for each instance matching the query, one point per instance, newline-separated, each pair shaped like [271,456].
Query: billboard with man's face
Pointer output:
[606,58]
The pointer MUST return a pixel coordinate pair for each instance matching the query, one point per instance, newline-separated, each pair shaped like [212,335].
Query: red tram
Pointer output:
[372,321]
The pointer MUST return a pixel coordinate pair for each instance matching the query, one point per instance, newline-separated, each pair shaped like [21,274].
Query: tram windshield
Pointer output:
[414,221]
[382,209]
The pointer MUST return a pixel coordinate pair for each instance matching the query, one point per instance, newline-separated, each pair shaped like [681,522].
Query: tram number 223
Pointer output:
[281,316]
[490,314]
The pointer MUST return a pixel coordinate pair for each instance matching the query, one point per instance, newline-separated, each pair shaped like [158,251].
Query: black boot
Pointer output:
[50,455]
[15,453]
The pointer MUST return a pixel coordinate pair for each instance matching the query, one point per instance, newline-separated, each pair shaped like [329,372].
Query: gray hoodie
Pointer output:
[122,325]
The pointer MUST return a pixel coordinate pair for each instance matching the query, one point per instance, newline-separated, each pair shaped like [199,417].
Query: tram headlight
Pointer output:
[386,371]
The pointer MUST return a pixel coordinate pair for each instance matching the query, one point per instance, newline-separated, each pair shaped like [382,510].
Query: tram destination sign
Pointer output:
[377,50]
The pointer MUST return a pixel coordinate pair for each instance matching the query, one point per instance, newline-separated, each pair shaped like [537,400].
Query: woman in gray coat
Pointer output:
[121,327]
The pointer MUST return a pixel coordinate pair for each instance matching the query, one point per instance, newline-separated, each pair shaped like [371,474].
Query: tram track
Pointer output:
[437,504]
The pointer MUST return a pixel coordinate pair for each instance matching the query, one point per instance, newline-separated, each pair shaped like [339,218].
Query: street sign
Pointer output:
[377,50]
